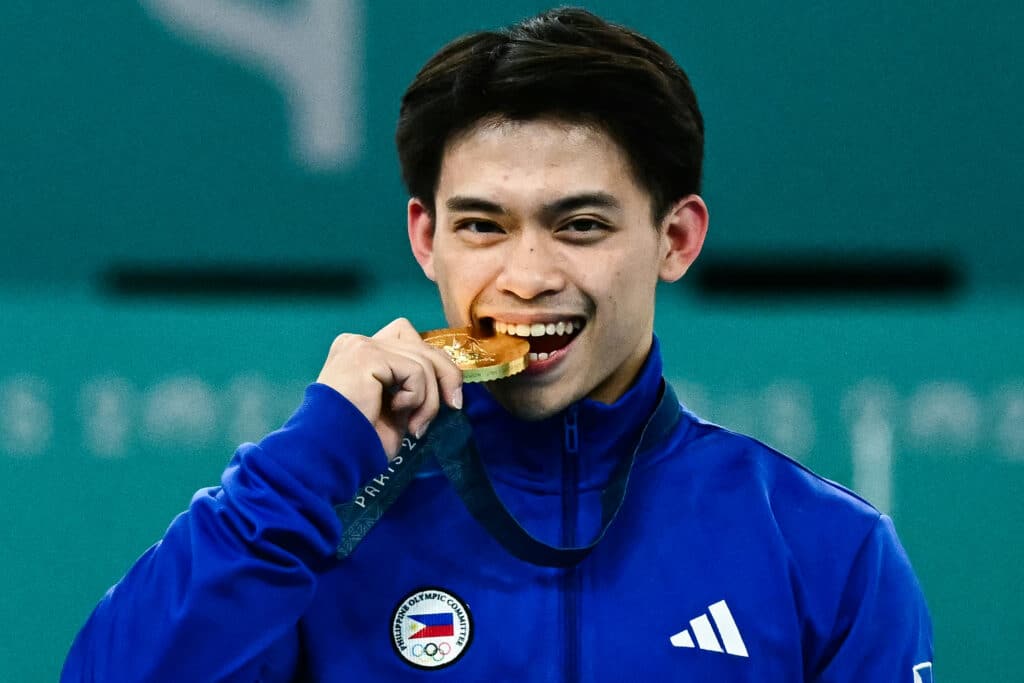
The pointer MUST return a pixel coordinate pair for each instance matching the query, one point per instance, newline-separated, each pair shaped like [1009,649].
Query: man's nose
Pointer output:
[531,268]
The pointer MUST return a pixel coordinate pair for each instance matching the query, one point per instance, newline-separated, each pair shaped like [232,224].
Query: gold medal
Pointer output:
[481,359]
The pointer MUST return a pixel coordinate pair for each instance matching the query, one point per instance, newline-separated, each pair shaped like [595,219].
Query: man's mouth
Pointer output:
[545,337]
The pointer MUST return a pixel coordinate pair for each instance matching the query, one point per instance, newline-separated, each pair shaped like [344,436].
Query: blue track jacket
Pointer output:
[727,562]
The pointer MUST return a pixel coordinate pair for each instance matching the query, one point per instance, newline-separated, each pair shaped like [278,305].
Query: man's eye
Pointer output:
[479,227]
[584,226]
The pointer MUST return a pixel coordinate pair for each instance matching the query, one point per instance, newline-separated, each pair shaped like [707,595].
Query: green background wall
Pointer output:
[131,134]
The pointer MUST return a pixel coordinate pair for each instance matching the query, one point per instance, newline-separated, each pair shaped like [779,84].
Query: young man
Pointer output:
[571,522]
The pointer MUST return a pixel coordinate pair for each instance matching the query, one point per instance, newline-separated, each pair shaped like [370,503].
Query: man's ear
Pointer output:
[421,235]
[682,233]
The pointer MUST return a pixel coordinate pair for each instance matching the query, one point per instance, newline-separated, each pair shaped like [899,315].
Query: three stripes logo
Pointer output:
[731,641]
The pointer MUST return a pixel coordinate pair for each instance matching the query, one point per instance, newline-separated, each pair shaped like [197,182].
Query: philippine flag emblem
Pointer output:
[431,628]
[437,625]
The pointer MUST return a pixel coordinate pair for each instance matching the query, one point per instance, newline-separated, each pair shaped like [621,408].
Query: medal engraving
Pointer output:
[480,358]
[469,352]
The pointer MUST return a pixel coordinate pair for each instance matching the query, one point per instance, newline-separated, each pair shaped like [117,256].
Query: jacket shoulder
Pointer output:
[807,511]
[786,475]
[834,555]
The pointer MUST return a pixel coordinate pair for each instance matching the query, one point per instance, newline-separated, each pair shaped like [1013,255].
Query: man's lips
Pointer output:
[542,362]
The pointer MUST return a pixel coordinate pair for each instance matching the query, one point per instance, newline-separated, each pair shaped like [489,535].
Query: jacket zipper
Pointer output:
[571,579]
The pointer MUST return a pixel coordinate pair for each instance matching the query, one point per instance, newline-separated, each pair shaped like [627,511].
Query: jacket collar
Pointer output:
[532,454]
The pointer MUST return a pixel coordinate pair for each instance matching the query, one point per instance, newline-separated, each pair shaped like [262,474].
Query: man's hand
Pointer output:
[394,378]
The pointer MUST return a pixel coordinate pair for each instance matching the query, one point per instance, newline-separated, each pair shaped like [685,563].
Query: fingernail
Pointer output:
[421,431]
[457,399]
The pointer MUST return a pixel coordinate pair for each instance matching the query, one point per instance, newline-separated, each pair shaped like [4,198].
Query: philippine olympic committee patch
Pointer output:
[431,628]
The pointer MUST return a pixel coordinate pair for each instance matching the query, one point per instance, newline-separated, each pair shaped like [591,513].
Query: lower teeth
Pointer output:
[538,356]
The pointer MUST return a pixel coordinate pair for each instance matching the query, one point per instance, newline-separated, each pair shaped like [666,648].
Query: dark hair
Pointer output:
[565,64]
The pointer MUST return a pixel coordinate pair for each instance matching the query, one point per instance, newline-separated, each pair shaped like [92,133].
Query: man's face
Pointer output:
[539,227]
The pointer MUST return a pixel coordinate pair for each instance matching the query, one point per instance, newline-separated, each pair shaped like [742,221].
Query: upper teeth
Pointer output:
[536,329]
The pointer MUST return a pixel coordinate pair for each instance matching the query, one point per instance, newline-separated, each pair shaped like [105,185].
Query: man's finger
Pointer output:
[449,376]
[402,332]
[399,329]
[423,412]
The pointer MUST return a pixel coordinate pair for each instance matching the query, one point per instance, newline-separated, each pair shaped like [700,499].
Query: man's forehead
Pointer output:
[539,161]
[497,126]
[530,144]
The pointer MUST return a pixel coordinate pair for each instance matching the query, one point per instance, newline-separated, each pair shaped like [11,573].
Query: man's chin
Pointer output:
[529,404]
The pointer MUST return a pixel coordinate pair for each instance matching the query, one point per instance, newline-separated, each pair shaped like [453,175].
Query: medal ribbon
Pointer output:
[449,440]
[357,516]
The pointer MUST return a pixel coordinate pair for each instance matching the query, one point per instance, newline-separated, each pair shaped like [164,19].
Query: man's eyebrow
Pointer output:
[583,200]
[470,204]
[551,209]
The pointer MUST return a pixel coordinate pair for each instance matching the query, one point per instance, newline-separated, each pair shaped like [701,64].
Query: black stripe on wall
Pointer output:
[740,276]
[778,275]
[234,281]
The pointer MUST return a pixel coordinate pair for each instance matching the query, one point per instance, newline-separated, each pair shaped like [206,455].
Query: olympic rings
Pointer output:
[434,651]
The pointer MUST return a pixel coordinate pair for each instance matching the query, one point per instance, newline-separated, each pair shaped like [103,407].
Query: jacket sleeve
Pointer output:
[219,597]
[883,631]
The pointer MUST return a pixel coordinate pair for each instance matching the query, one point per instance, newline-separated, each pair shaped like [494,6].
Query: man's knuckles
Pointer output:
[346,343]
[399,328]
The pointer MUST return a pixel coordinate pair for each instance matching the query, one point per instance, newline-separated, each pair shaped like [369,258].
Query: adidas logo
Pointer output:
[705,634]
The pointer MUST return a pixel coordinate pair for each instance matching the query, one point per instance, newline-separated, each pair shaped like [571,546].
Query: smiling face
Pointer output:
[540,230]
